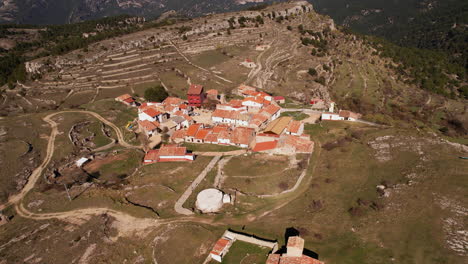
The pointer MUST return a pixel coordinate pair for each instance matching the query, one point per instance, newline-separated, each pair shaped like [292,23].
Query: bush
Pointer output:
[312,72]
[156,94]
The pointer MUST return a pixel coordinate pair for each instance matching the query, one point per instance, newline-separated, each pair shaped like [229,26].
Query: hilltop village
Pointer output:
[252,122]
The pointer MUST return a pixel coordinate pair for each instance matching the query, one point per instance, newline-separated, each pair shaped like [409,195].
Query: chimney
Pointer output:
[295,246]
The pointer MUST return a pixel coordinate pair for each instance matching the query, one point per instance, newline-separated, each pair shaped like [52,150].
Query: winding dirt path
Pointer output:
[15,199]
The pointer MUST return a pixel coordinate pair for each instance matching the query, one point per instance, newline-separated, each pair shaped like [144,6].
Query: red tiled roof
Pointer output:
[152,112]
[172,101]
[242,135]
[172,150]
[273,259]
[257,100]
[152,155]
[220,245]
[346,114]
[202,133]
[179,134]
[218,129]
[278,98]
[235,103]
[193,129]
[212,92]
[212,137]
[301,144]
[272,109]
[148,126]
[123,97]
[228,114]
[129,100]
[183,106]
[258,119]
[262,146]
[294,126]
[195,89]
[298,260]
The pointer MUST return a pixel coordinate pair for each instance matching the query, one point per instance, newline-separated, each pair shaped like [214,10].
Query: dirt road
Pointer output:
[14,199]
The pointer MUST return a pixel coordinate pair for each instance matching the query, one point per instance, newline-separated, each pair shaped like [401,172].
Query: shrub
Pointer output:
[156,94]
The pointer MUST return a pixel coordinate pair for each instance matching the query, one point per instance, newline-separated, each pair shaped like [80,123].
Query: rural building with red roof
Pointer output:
[294,254]
[168,153]
[195,95]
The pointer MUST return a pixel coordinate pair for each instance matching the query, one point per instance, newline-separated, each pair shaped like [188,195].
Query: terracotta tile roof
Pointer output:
[179,134]
[212,92]
[183,106]
[129,100]
[124,97]
[172,150]
[346,114]
[299,143]
[218,129]
[225,134]
[294,126]
[212,137]
[258,119]
[278,98]
[236,103]
[243,88]
[193,129]
[257,100]
[228,114]
[152,155]
[272,109]
[242,135]
[299,260]
[148,126]
[262,146]
[273,259]
[152,112]
[220,245]
[277,126]
[172,101]
[195,89]
[202,133]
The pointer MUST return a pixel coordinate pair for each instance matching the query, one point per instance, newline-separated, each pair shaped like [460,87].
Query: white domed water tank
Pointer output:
[209,200]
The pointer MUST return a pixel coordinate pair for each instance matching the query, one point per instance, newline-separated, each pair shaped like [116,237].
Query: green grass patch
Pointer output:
[246,253]
[295,115]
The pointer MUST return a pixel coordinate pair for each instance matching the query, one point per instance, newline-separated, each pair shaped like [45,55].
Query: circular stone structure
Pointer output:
[209,200]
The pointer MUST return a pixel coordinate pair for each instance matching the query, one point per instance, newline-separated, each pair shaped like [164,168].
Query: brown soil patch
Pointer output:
[96,164]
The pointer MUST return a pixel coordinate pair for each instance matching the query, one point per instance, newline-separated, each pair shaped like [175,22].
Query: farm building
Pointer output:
[168,153]
[348,115]
[279,99]
[331,116]
[126,99]
[248,63]
[221,248]
[294,254]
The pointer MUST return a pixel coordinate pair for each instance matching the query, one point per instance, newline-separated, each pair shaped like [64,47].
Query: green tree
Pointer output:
[312,72]
[156,94]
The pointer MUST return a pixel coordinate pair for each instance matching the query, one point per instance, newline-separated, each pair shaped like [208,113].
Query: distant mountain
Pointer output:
[68,11]
[429,24]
